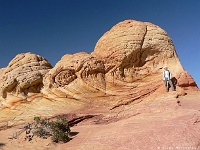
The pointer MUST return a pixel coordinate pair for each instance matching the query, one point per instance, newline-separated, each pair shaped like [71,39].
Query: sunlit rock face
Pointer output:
[78,74]
[133,50]
[131,56]
[118,85]
[24,74]
[127,60]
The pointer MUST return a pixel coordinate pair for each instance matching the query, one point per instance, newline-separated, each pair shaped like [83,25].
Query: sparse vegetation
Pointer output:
[58,129]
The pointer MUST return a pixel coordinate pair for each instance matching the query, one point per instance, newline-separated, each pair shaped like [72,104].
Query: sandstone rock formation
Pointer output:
[76,75]
[131,55]
[127,61]
[24,74]
[132,50]
[119,86]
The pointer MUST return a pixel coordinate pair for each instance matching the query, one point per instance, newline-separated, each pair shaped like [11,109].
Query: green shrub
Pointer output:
[58,130]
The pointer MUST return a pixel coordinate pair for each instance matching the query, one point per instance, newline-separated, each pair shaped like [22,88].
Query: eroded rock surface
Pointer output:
[119,86]
[76,74]
[24,74]
[132,50]
[131,56]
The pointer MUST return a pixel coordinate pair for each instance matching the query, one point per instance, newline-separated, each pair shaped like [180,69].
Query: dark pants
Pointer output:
[167,83]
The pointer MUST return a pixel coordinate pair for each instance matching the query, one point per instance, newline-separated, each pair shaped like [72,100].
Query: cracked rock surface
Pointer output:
[24,74]
[132,49]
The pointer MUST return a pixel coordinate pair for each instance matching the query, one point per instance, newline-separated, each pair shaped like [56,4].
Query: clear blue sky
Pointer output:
[52,28]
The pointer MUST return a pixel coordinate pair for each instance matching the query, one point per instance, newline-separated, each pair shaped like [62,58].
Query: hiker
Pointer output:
[167,79]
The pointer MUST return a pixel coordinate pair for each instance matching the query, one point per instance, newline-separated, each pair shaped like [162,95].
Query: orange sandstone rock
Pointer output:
[24,74]
[119,86]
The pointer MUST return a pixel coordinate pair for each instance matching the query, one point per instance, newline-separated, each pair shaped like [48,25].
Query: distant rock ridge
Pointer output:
[131,55]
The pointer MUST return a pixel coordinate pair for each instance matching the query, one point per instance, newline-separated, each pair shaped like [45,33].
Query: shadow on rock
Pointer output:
[174,82]
[73,133]
[2,144]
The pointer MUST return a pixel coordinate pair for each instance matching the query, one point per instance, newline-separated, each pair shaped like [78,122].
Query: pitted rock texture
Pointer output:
[24,74]
[80,73]
[132,50]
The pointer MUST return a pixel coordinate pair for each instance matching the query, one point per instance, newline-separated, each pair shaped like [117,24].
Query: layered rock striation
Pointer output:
[131,56]
[24,74]
[76,74]
[118,85]
[132,50]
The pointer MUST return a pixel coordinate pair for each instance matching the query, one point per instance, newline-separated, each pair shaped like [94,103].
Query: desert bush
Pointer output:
[58,130]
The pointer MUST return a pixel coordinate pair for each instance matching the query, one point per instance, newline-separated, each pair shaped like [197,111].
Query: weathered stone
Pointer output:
[185,80]
[24,74]
[134,52]
[119,86]
[80,73]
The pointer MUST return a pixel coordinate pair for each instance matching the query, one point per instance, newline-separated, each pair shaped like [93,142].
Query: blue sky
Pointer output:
[52,28]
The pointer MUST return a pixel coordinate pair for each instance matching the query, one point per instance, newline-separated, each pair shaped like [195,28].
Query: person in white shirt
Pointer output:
[167,79]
